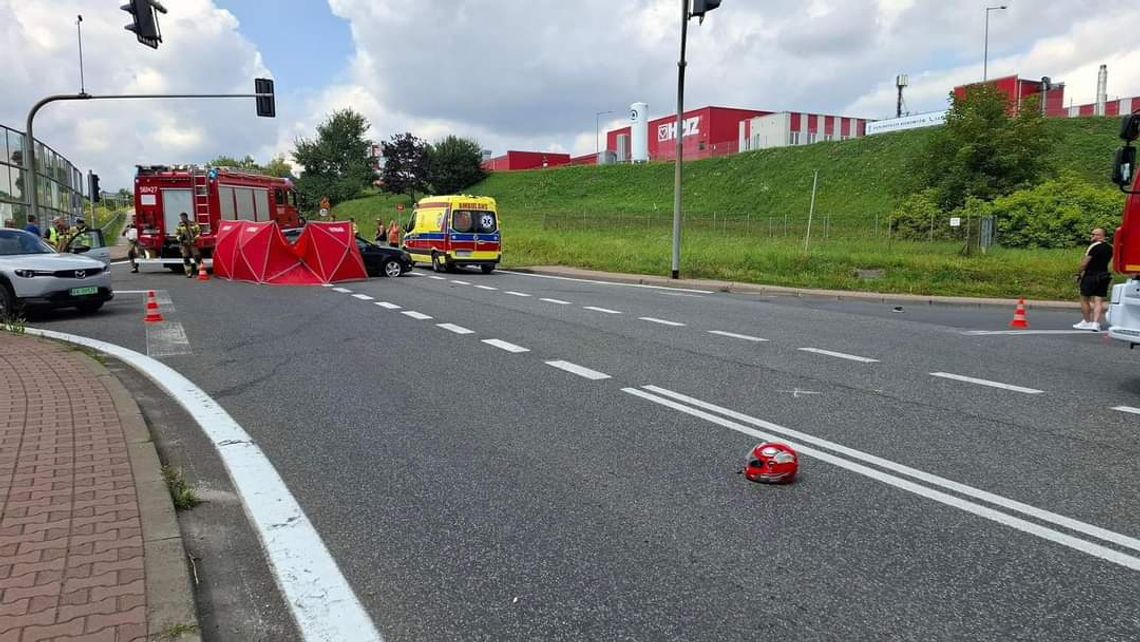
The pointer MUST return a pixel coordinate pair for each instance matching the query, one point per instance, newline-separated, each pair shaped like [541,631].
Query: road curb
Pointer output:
[169,592]
[803,293]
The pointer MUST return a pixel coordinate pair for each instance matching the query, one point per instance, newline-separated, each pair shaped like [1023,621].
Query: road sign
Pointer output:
[955,221]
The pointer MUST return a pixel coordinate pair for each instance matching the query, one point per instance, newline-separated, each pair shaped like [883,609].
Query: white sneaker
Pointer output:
[1083,325]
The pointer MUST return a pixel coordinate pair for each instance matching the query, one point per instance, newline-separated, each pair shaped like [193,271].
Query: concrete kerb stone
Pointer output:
[169,593]
[776,290]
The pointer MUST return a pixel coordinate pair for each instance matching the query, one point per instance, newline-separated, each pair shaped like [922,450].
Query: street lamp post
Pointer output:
[597,125]
[986,54]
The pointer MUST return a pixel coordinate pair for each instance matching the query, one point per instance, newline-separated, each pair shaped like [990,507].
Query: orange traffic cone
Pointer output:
[1020,321]
[152,313]
[202,276]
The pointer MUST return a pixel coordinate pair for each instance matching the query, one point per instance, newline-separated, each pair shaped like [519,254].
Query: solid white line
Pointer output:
[1025,526]
[592,375]
[486,287]
[556,301]
[342,290]
[1130,410]
[733,335]
[387,306]
[437,278]
[674,324]
[613,283]
[458,282]
[457,329]
[419,316]
[131,291]
[512,293]
[362,297]
[503,345]
[323,604]
[840,355]
[605,310]
[986,382]
[983,333]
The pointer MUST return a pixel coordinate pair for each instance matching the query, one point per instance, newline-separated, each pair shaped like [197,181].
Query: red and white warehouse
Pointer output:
[708,131]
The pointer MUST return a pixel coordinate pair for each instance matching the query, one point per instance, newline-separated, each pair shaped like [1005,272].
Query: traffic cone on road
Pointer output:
[202,276]
[1020,321]
[152,313]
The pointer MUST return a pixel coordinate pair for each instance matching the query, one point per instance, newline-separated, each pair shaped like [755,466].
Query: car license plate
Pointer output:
[83,291]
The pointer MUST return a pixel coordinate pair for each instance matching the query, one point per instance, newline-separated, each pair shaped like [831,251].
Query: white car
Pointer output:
[33,274]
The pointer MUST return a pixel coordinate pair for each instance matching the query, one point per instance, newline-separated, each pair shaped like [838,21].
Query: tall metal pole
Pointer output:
[986,50]
[680,133]
[79,34]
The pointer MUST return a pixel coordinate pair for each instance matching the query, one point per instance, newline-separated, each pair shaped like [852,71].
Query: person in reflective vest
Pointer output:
[187,234]
[79,236]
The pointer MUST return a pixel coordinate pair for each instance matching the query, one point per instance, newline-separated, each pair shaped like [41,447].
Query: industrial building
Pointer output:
[708,132]
[788,128]
[1019,89]
[514,161]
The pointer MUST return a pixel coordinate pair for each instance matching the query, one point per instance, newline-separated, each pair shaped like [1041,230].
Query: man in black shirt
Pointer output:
[1094,280]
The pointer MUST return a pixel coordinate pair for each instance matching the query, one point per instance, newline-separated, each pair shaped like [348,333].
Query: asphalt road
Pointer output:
[472,490]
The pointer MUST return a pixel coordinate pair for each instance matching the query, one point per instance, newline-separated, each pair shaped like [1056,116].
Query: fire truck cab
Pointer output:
[207,195]
[1124,304]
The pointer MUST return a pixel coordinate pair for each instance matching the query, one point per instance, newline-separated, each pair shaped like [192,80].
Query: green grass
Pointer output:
[182,494]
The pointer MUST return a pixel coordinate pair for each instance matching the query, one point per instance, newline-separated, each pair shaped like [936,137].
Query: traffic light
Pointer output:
[144,14]
[701,7]
[93,187]
[266,106]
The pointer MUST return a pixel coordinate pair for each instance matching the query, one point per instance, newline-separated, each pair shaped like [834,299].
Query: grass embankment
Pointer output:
[746,218]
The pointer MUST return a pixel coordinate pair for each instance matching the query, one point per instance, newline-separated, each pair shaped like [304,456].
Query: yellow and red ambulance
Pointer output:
[455,231]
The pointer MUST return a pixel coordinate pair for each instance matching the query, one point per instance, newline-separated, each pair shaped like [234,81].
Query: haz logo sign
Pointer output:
[668,131]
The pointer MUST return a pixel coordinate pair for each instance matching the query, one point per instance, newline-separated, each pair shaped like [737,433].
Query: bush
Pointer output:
[912,219]
[1058,213]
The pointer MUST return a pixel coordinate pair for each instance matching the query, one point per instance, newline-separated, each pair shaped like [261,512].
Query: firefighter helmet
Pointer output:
[771,463]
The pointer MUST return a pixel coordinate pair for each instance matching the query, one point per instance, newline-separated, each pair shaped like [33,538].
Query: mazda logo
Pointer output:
[81,274]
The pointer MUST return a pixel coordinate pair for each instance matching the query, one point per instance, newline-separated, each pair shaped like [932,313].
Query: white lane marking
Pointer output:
[1130,410]
[166,339]
[457,329]
[503,345]
[324,606]
[733,335]
[592,375]
[362,297]
[413,274]
[603,310]
[986,512]
[840,355]
[458,282]
[131,291]
[694,296]
[987,382]
[597,282]
[342,290]
[419,316]
[437,278]
[326,285]
[486,287]
[983,333]
[674,324]
[387,306]
[556,301]
[513,293]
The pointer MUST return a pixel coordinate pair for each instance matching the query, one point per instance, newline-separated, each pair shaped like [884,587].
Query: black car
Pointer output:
[378,260]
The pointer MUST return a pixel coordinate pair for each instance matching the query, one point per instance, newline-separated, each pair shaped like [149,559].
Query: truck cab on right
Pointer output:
[1124,303]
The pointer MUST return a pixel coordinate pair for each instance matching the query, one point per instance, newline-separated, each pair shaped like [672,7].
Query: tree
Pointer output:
[985,150]
[407,165]
[247,163]
[278,167]
[337,162]
[455,164]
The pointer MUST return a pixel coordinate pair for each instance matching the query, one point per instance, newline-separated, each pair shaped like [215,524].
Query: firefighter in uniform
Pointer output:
[187,234]
[78,236]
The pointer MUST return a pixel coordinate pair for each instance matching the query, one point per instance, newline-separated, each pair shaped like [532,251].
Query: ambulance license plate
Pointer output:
[83,291]
[463,253]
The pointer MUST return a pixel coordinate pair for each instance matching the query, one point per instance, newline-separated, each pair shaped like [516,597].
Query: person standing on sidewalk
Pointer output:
[132,235]
[1094,280]
[187,234]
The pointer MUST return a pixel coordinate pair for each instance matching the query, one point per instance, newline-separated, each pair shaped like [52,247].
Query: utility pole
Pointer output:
[986,51]
[79,35]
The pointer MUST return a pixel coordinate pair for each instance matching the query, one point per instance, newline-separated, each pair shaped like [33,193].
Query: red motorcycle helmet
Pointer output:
[772,463]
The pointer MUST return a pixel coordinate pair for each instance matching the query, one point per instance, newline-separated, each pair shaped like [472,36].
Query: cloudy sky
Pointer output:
[516,74]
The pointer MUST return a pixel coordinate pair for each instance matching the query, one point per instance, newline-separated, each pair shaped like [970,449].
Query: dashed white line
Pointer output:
[1130,410]
[603,310]
[458,282]
[513,293]
[556,301]
[387,306]
[613,283]
[413,274]
[437,278]
[457,329]
[362,297]
[486,287]
[675,324]
[733,335]
[987,382]
[840,355]
[420,316]
[323,285]
[503,345]
[592,375]
[342,290]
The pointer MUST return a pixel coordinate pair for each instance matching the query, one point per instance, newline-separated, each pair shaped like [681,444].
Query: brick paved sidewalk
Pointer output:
[71,541]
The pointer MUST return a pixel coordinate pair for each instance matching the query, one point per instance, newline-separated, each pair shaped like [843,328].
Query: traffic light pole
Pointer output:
[30,138]
[680,134]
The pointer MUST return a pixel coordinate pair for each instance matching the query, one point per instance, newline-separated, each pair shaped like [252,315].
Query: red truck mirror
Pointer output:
[1130,128]
[1124,168]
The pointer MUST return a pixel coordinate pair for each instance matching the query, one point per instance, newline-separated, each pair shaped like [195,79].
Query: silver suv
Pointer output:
[33,274]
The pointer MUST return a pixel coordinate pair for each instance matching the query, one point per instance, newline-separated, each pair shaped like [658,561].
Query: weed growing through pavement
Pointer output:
[176,631]
[13,324]
[181,493]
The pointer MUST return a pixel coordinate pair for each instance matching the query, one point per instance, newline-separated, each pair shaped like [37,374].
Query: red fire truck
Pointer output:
[207,195]
[1124,304]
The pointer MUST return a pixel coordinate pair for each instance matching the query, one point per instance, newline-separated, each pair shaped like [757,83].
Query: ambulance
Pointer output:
[455,231]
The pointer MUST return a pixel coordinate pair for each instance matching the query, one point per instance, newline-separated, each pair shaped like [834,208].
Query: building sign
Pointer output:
[917,121]
[668,131]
